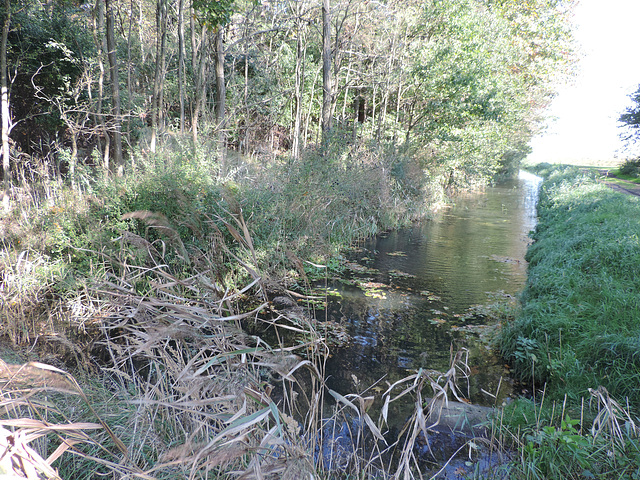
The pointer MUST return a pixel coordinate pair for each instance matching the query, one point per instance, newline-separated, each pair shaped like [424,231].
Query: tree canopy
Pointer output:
[457,84]
[630,119]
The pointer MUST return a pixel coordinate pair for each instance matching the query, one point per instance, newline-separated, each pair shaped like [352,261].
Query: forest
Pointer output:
[174,171]
[456,86]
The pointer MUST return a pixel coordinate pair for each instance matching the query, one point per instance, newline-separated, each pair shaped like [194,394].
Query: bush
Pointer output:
[631,167]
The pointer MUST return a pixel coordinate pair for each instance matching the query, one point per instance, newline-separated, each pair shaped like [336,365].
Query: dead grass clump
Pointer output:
[612,421]
[26,291]
[184,390]
[36,428]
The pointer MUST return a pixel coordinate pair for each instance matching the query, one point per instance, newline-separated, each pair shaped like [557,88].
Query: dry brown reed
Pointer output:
[33,420]
[181,350]
[186,391]
[27,280]
[612,420]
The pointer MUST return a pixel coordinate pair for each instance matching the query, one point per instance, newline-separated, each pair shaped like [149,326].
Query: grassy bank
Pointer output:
[579,326]
[577,337]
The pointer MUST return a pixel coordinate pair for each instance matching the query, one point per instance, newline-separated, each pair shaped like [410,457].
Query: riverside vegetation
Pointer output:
[150,223]
[576,339]
[143,286]
[166,383]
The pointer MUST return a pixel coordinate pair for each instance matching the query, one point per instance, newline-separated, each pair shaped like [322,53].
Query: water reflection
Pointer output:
[424,281]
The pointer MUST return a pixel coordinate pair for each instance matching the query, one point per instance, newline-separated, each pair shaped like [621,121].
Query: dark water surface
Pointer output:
[415,299]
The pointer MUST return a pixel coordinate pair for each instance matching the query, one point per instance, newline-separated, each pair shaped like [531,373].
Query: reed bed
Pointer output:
[145,367]
[185,392]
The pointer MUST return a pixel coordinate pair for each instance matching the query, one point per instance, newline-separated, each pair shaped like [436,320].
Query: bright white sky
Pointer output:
[585,129]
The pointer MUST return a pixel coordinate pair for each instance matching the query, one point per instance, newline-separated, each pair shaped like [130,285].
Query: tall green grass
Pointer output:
[580,323]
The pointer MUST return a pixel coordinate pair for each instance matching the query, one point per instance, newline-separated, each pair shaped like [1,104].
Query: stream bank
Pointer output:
[576,340]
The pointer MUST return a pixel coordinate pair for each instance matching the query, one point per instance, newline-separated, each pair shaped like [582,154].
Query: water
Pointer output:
[413,292]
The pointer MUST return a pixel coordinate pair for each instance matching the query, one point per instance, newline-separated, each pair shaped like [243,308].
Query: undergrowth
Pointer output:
[141,285]
[597,438]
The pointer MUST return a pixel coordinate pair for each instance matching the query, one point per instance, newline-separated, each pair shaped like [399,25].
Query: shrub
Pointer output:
[631,167]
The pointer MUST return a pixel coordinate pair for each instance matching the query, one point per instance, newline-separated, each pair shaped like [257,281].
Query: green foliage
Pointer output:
[578,327]
[554,445]
[631,119]
[631,168]
[45,49]
[551,450]
[319,201]
[478,84]
[215,13]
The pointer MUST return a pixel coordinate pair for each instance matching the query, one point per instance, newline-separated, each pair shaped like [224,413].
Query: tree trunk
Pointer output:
[312,96]
[115,89]
[198,64]
[6,166]
[129,79]
[181,54]
[297,114]
[73,161]
[327,93]
[220,99]
[97,25]
[158,79]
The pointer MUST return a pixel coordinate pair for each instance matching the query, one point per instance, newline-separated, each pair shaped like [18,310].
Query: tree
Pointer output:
[97,25]
[630,120]
[327,88]
[159,76]
[6,171]
[181,61]
[115,87]
[198,66]
[221,95]
[481,74]
[216,15]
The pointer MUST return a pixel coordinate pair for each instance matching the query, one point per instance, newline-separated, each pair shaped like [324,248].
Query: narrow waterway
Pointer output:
[417,293]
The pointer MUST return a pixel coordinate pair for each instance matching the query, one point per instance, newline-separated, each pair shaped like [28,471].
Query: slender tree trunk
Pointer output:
[140,31]
[129,79]
[327,92]
[6,166]
[195,109]
[244,142]
[349,70]
[312,97]
[358,116]
[373,109]
[220,99]
[74,158]
[198,64]
[97,27]
[158,80]
[181,55]
[299,82]
[115,89]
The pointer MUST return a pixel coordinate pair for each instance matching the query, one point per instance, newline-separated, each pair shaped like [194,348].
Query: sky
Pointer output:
[582,123]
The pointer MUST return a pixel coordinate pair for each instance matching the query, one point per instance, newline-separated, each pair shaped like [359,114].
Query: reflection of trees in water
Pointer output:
[388,342]
[456,260]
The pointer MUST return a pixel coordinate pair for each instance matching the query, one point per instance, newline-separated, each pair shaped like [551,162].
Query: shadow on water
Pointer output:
[412,292]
